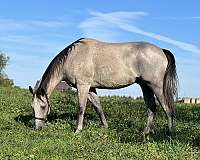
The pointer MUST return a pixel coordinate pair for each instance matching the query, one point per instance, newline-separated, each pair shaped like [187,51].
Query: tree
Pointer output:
[4,80]
[3,61]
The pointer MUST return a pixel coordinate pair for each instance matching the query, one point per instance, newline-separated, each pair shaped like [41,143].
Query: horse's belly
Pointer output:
[108,77]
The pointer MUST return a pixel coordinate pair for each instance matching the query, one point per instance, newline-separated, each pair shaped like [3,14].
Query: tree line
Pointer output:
[4,80]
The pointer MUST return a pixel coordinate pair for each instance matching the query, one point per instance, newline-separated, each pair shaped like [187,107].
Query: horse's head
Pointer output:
[40,106]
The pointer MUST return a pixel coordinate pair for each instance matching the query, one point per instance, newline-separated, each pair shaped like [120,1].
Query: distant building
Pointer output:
[193,100]
[188,100]
[197,100]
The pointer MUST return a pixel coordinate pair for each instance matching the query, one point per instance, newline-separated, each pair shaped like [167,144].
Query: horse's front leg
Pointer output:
[82,100]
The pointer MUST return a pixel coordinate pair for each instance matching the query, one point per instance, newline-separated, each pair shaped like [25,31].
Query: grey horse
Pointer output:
[88,64]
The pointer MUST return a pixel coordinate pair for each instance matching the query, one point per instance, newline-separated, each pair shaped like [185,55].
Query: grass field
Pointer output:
[122,140]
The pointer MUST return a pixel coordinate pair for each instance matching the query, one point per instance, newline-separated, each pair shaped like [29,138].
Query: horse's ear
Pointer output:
[30,89]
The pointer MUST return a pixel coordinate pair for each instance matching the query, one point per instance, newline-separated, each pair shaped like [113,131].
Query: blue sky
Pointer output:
[33,32]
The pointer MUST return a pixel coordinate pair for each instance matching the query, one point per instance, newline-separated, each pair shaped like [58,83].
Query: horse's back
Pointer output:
[114,65]
[118,64]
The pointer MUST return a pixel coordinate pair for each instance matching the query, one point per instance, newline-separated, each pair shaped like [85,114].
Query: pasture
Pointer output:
[122,140]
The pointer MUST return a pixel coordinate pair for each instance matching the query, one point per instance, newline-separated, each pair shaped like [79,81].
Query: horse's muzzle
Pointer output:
[39,124]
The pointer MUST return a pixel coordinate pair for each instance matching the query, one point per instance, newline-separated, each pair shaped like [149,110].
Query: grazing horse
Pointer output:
[88,64]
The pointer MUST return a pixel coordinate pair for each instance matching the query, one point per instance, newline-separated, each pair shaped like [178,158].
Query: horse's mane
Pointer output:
[57,63]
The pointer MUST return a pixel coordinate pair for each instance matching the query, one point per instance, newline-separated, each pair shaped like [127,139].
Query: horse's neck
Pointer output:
[50,84]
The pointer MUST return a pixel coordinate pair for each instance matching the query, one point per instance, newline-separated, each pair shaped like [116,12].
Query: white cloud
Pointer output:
[33,42]
[178,18]
[37,35]
[16,25]
[196,17]
[182,45]
[125,21]
[20,39]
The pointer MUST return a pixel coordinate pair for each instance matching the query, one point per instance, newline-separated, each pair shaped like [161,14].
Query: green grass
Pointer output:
[122,140]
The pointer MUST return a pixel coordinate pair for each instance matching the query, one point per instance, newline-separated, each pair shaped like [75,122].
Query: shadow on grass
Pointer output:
[69,117]
[25,120]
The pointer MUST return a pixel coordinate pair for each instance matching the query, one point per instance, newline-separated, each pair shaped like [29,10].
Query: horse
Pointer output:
[89,64]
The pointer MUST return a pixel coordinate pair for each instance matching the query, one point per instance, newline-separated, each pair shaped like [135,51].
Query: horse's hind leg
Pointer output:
[150,102]
[82,100]
[94,99]
[169,112]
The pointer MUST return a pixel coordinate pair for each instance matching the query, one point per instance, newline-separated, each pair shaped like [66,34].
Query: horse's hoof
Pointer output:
[170,133]
[105,126]
[77,131]
[145,137]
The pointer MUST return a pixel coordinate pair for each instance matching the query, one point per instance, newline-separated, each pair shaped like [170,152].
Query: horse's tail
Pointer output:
[170,83]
